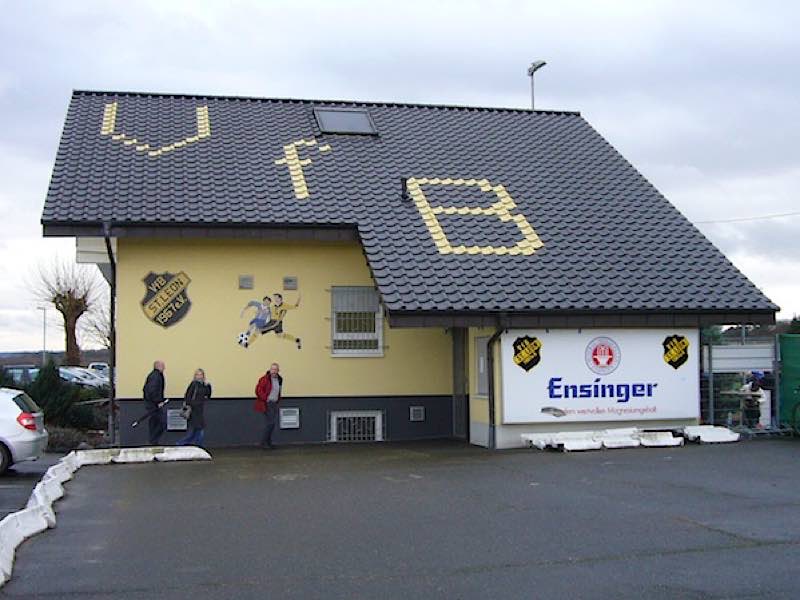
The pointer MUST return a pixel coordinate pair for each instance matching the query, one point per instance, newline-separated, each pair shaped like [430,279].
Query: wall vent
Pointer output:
[245,282]
[416,413]
[290,418]
[356,426]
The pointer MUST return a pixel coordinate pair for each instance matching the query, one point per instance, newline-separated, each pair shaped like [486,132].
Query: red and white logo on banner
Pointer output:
[602,355]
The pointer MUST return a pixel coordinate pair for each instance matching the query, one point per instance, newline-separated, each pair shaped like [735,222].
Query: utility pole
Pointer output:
[44,333]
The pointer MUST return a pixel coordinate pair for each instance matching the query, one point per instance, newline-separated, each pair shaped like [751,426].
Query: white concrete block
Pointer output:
[9,540]
[619,442]
[183,453]
[623,437]
[136,455]
[659,439]
[70,461]
[536,440]
[710,434]
[571,441]
[96,457]
[31,521]
[572,445]
[59,472]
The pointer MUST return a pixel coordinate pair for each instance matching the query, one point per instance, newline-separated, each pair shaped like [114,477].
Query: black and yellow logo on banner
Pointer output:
[527,352]
[676,350]
[165,300]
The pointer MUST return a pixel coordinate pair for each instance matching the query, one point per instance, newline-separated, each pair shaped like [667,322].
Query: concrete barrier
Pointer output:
[31,521]
[627,437]
[10,538]
[622,437]
[536,440]
[182,453]
[96,457]
[659,439]
[136,455]
[59,472]
[46,492]
[710,434]
[565,440]
[70,461]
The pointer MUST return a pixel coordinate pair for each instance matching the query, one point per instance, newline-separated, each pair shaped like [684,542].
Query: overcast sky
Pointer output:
[702,97]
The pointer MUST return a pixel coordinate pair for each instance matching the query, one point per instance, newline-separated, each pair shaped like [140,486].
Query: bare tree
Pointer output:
[73,290]
[96,325]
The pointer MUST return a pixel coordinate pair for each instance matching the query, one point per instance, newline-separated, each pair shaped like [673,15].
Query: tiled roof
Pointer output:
[504,210]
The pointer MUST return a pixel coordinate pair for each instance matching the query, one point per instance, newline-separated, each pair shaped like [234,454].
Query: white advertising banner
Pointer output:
[569,375]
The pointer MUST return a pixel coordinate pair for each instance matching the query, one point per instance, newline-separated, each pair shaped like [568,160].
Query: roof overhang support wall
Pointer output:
[568,319]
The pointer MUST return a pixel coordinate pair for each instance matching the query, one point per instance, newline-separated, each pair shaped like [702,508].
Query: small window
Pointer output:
[356,322]
[481,366]
[245,282]
[345,120]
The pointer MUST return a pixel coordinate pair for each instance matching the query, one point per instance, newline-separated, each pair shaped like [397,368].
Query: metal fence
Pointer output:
[725,368]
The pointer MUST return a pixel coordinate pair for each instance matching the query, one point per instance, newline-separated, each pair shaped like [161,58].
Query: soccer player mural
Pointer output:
[269,314]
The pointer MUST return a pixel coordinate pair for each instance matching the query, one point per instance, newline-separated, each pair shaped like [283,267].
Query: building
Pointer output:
[421,271]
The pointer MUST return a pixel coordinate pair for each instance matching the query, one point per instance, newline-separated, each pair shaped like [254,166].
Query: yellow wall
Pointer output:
[415,362]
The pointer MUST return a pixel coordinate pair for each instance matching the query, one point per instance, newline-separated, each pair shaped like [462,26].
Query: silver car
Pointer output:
[22,433]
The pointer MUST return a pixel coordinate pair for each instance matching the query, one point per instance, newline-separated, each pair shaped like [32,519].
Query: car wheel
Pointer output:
[5,459]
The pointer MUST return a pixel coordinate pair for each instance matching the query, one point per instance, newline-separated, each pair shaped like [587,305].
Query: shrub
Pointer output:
[58,400]
[64,439]
[6,380]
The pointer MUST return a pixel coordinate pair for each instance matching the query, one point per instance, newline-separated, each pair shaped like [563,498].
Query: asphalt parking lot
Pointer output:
[18,482]
[428,521]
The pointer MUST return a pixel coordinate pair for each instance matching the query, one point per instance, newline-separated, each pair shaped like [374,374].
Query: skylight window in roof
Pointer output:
[345,120]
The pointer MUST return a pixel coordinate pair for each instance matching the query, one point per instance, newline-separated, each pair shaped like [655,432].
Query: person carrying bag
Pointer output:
[194,400]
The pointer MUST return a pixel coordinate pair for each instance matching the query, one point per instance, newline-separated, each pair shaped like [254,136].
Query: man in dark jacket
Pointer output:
[154,402]
[268,394]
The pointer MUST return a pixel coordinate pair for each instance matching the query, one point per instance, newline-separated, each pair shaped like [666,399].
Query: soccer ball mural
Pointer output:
[244,339]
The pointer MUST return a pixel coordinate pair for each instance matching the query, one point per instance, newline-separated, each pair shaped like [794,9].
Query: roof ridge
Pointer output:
[312,101]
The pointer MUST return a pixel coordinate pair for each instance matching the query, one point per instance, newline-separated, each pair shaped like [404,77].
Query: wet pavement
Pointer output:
[18,482]
[428,520]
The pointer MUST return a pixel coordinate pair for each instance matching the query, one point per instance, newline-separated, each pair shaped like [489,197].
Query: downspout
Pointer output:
[112,406]
[492,441]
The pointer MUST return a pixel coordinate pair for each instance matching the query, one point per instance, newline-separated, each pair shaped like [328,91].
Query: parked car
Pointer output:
[102,368]
[94,377]
[22,374]
[22,433]
[78,378]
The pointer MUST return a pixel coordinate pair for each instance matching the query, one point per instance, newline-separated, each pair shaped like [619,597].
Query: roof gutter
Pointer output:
[112,334]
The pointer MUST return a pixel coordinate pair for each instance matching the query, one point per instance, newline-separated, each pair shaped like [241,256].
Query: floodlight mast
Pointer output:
[535,66]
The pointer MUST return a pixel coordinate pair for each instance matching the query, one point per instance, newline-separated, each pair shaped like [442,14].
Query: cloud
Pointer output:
[700,96]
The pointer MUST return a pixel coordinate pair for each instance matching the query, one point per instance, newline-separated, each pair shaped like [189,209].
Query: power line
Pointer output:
[740,219]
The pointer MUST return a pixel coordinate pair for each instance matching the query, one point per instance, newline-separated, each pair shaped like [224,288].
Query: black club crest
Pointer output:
[676,350]
[527,352]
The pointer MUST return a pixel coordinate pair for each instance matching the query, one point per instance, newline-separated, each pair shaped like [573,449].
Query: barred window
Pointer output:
[356,322]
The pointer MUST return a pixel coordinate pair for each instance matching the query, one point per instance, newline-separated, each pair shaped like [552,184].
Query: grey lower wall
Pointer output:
[233,422]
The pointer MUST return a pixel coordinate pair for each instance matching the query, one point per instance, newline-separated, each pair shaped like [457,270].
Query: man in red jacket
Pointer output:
[268,394]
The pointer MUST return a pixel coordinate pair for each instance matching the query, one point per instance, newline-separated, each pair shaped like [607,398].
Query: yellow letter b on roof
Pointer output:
[503,209]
